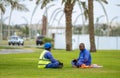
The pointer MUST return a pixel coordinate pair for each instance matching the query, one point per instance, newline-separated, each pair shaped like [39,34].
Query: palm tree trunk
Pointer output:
[91,26]
[68,15]
[9,31]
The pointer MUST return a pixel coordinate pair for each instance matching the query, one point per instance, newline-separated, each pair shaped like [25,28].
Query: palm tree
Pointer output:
[68,13]
[91,26]
[91,22]
[15,5]
[68,8]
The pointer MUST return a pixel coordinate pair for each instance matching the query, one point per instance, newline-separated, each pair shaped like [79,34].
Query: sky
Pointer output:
[24,17]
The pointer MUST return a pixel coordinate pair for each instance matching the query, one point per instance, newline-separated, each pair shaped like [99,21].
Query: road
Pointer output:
[33,45]
[6,49]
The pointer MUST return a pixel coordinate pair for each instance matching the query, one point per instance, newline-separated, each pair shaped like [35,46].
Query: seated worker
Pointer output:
[46,59]
[84,59]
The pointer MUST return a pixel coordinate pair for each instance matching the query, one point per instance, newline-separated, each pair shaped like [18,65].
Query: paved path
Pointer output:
[12,51]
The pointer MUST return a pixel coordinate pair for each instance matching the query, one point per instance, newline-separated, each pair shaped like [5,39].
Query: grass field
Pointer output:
[25,65]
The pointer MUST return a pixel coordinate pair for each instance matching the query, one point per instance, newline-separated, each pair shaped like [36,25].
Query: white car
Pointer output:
[15,40]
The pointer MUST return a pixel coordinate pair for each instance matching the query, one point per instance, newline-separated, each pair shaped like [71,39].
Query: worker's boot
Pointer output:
[60,65]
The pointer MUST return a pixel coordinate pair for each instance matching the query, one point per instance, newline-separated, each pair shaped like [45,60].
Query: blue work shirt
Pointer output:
[84,58]
[49,56]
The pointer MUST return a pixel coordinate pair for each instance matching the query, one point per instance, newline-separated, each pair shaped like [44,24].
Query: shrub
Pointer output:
[46,39]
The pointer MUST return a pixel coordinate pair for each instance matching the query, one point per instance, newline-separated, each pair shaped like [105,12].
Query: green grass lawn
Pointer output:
[25,65]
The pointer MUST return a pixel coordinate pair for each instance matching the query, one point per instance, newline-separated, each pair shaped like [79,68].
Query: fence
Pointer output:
[102,42]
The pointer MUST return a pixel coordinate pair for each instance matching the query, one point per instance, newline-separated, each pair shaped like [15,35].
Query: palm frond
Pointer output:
[57,9]
[83,6]
[64,1]
[113,20]
[104,11]
[86,13]
[48,8]
[77,18]
[43,2]
[38,1]
[20,7]
[9,2]
[98,18]
[2,8]
[69,1]
[85,9]
[60,18]
[34,10]
[56,15]
[105,1]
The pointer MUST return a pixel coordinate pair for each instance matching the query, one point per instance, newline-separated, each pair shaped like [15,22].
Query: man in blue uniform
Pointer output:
[84,59]
[46,59]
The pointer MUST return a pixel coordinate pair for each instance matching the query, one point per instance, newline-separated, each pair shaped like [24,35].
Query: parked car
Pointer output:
[39,40]
[15,40]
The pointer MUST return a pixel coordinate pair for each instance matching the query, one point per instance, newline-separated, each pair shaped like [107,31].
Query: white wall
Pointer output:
[102,43]
[59,41]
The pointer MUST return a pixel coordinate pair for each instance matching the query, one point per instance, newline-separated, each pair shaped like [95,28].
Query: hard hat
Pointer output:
[47,45]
